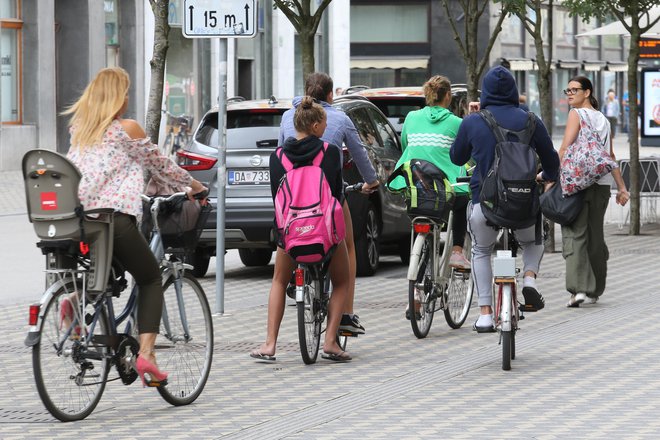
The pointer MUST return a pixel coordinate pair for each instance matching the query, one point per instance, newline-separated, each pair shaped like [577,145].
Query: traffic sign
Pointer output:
[219,18]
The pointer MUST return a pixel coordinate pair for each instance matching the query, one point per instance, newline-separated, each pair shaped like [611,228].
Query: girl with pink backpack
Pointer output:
[286,163]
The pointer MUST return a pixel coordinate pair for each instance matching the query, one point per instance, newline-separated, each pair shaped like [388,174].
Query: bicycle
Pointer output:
[507,310]
[72,361]
[312,290]
[432,284]
[178,129]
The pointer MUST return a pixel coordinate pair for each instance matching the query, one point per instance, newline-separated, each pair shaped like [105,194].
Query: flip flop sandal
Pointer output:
[256,354]
[342,356]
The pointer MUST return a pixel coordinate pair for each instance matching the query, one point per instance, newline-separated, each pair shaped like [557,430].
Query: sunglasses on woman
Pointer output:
[571,91]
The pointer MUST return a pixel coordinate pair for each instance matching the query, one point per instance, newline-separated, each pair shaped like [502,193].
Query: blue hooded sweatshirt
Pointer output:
[499,95]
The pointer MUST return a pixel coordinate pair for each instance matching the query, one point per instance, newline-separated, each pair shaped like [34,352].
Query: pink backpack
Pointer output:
[309,219]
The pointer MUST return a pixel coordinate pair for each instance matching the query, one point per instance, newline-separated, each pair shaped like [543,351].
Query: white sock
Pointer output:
[529,281]
[485,320]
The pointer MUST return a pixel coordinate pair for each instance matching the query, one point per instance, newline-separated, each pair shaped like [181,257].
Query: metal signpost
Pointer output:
[223,19]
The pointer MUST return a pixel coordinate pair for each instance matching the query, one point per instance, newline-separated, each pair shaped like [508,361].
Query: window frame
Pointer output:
[16,24]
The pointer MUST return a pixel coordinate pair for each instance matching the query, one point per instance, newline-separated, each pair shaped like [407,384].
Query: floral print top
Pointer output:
[113,171]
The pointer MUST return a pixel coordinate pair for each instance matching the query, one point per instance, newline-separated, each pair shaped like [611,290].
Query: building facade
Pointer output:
[50,49]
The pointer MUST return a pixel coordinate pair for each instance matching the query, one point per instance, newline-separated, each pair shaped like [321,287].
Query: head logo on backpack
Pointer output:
[509,193]
[309,219]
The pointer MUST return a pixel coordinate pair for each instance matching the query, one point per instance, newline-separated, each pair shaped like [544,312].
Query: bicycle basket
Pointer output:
[181,223]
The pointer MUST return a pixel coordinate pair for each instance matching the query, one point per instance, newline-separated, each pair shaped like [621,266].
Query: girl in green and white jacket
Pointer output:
[427,134]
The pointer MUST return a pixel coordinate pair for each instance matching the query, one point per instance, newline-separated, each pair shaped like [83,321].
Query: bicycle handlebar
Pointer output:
[199,196]
[354,188]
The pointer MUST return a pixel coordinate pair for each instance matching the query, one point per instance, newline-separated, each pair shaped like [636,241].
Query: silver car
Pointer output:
[252,135]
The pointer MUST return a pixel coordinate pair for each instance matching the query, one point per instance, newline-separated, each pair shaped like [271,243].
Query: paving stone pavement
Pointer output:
[580,373]
[590,372]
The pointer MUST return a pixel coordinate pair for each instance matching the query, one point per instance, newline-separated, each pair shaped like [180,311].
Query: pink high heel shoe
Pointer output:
[156,377]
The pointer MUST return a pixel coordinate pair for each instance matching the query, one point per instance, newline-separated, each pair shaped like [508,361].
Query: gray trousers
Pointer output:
[483,242]
[583,245]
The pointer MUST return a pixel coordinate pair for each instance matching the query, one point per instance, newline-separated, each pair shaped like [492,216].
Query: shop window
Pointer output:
[11,27]
[111,32]
[404,23]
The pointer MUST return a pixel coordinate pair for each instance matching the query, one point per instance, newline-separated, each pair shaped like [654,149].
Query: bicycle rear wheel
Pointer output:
[70,370]
[421,295]
[458,297]
[309,318]
[185,343]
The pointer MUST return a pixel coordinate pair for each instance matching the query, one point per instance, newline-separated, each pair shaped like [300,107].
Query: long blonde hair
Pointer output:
[98,106]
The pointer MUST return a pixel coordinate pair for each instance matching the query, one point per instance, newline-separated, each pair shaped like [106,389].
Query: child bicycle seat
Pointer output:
[54,209]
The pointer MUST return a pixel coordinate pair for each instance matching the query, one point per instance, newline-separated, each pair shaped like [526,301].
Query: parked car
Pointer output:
[396,102]
[252,134]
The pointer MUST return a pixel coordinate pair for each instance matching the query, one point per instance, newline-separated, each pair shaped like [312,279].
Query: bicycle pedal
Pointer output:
[527,308]
[348,333]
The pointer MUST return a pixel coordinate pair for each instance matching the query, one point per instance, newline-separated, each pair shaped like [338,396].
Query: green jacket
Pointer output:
[428,134]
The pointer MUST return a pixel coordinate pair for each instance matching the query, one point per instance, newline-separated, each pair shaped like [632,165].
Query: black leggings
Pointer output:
[459,226]
[132,251]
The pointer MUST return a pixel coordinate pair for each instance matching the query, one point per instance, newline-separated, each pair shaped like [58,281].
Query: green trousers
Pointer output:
[583,245]
[132,251]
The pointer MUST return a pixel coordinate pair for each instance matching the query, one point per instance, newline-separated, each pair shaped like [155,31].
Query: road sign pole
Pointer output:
[222,184]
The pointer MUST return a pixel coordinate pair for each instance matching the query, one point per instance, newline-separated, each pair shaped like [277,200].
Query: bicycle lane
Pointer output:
[397,386]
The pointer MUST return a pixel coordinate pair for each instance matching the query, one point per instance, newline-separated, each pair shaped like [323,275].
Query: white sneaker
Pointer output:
[576,300]
[592,300]
[484,324]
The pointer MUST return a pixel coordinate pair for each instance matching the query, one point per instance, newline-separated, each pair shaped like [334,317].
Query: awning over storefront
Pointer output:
[617,67]
[521,63]
[593,66]
[390,63]
[569,64]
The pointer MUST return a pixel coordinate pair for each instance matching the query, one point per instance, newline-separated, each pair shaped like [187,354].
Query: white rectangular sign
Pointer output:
[650,103]
[219,18]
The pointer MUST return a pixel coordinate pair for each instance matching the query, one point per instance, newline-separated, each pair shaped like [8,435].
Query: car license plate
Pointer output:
[236,177]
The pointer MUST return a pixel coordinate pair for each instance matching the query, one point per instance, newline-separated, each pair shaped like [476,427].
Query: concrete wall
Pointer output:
[339,47]
[39,129]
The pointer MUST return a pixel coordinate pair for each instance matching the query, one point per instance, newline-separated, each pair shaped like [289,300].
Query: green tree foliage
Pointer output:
[634,15]
[470,13]
[299,13]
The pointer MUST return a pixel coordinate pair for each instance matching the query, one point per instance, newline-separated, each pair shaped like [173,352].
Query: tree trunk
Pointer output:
[307,49]
[157,63]
[471,48]
[633,59]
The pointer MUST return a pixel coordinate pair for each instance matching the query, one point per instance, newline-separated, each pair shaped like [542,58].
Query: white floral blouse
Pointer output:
[113,171]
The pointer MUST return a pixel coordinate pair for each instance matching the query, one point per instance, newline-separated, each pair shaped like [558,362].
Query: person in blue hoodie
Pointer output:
[476,140]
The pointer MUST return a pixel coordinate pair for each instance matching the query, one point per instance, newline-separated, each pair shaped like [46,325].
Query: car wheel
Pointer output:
[199,261]
[367,251]
[255,257]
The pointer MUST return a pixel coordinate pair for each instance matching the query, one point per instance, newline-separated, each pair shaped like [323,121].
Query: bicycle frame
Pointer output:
[504,274]
[417,246]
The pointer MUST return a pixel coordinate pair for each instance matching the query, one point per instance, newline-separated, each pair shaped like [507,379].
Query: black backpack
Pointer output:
[509,193]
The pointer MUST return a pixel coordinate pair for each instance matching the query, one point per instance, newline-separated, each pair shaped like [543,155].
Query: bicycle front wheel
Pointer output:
[458,297]
[309,318]
[70,369]
[421,295]
[185,342]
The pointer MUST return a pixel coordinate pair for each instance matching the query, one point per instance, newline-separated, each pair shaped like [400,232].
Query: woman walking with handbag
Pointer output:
[583,242]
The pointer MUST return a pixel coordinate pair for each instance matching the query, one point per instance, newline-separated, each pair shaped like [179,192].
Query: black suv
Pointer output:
[252,134]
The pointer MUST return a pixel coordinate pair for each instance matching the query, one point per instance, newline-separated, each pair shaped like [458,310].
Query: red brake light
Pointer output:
[422,228]
[300,277]
[195,162]
[34,314]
